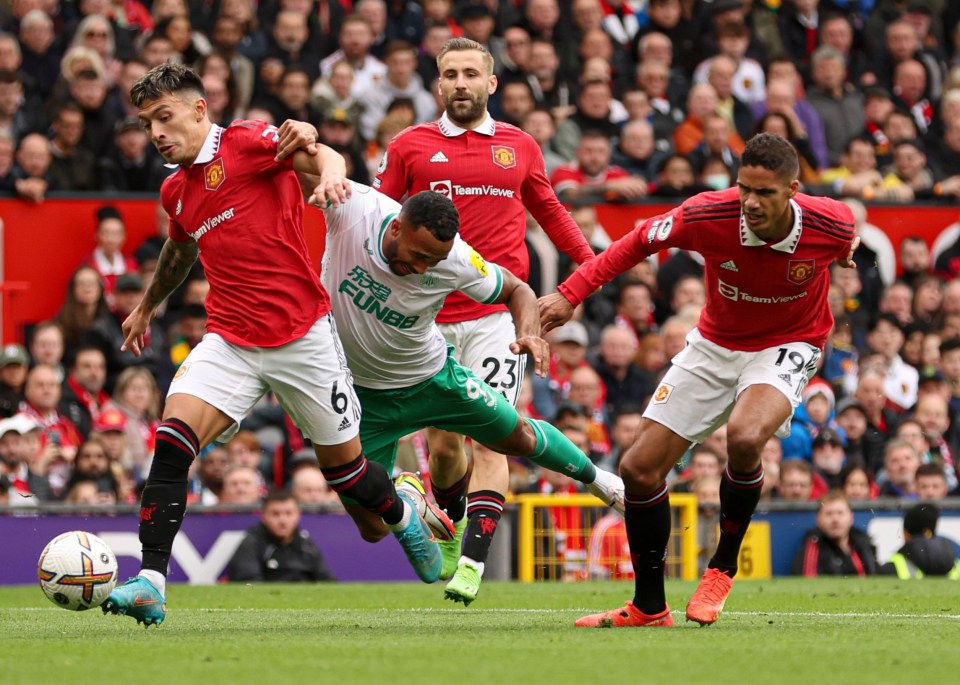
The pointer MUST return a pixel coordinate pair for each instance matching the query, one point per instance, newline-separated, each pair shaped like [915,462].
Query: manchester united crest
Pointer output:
[800,271]
[504,157]
[214,175]
[662,394]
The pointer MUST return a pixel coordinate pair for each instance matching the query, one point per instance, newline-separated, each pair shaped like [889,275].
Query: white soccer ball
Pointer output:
[77,570]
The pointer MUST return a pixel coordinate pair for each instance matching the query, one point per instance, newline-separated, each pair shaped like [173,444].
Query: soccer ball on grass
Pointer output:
[77,570]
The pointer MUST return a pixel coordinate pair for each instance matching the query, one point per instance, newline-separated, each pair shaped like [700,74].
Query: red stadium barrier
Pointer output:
[43,244]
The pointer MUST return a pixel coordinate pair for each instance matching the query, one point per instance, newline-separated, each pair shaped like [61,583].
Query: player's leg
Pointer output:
[311,380]
[694,397]
[483,346]
[197,410]
[769,388]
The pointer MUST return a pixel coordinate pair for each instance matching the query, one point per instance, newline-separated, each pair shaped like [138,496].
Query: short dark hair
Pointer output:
[278,496]
[433,211]
[165,79]
[773,153]
[930,469]
[108,212]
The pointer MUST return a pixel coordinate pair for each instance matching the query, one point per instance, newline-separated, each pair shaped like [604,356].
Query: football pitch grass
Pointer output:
[814,632]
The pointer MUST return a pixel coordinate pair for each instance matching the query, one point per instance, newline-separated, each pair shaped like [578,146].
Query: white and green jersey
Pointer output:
[386,321]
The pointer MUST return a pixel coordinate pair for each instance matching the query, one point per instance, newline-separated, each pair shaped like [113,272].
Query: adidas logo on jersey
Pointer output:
[785,377]
[439,157]
[344,425]
[729,265]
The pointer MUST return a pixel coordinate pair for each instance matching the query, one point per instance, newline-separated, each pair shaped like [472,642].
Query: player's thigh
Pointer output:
[483,345]
[387,417]
[787,368]
[468,406]
[698,391]
[222,375]
[313,384]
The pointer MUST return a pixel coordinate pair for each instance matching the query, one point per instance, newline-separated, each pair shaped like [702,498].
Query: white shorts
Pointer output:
[483,346]
[309,377]
[699,390]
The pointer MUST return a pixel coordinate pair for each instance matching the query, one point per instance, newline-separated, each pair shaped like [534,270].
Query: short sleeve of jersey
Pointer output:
[168,199]
[255,145]
[391,177]
[364,205]
[475,277]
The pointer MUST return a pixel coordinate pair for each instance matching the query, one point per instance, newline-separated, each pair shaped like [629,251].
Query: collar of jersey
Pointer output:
[487,127]
[383,229]
[750,239]
[211,145]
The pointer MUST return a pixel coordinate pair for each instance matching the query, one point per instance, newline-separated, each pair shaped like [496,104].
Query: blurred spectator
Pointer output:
[73,167]
[839,104]
[46,345]
[241,485]
[277,549]
[96,33]
[32,169]
[227,37]
[855,482]
[814,413]
[136,396]
[110,430]
[568,350]
[108,259]
[132,165]
[191,328]
[85,303]
[26,464]
[41,403]
[157,49]
[675,178]
[188,45]
[338,131]
[931,482]
[516,102]
[587,390]
[355,39]
[704,463]
[89,90]
[593,176]
[221,107]
[41,51]
[828,459]
[308,486]
[107,333]
[932,414]
[915,259]
[207,485]
[400,80]
[900,385]
[835,547]
[852,418]
[83,397]
[539,124]
[782,99]
[18,115]
[92,464]
[625,383]
[717,143]
[796,480]
[924,553]
[13,375]
[900,463]
[596,111]
[253,45]
[623,433]
[374,12]
[336,92]
[653,77]
[636,150]
[770,458]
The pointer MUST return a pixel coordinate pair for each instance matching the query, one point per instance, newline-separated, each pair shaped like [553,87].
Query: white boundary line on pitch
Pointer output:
[451,610]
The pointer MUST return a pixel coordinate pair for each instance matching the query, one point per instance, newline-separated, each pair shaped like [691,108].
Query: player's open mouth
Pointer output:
[754,219]
[165,149]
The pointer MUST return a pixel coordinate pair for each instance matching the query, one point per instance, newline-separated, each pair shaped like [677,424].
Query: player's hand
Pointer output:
[538,349]
[296,135]
[848,262]
[134,327]
[555,310]
[333,189]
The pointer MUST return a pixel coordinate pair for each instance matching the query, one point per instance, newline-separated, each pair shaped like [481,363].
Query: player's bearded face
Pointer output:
[464,86]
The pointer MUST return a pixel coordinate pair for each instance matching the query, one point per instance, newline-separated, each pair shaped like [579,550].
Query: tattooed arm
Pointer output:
[174,264]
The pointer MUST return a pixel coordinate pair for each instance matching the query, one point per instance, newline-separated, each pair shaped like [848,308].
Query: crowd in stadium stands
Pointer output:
[628,99]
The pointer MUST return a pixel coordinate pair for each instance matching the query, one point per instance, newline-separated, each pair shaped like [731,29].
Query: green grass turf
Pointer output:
[781,631]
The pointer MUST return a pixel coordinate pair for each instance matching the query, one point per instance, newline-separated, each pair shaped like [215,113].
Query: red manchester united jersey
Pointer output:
[758,294]
[491,173]
[246,213]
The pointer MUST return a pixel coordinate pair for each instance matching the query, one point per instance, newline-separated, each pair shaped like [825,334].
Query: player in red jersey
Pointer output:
[493,172]
[767,252]
[236,197]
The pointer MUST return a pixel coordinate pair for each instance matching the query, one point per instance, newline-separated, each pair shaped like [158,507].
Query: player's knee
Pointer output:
[638,476]
[744,443]
[445,445]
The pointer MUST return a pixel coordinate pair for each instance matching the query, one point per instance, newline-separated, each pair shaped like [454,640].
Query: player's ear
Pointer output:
[200,108]
[794,187]
[492,86]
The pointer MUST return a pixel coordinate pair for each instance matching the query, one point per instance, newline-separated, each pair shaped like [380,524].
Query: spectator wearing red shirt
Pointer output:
[592,175]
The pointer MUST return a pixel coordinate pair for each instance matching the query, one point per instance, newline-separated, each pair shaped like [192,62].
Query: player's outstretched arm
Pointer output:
[522,303]
[175,261]
[333,186]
